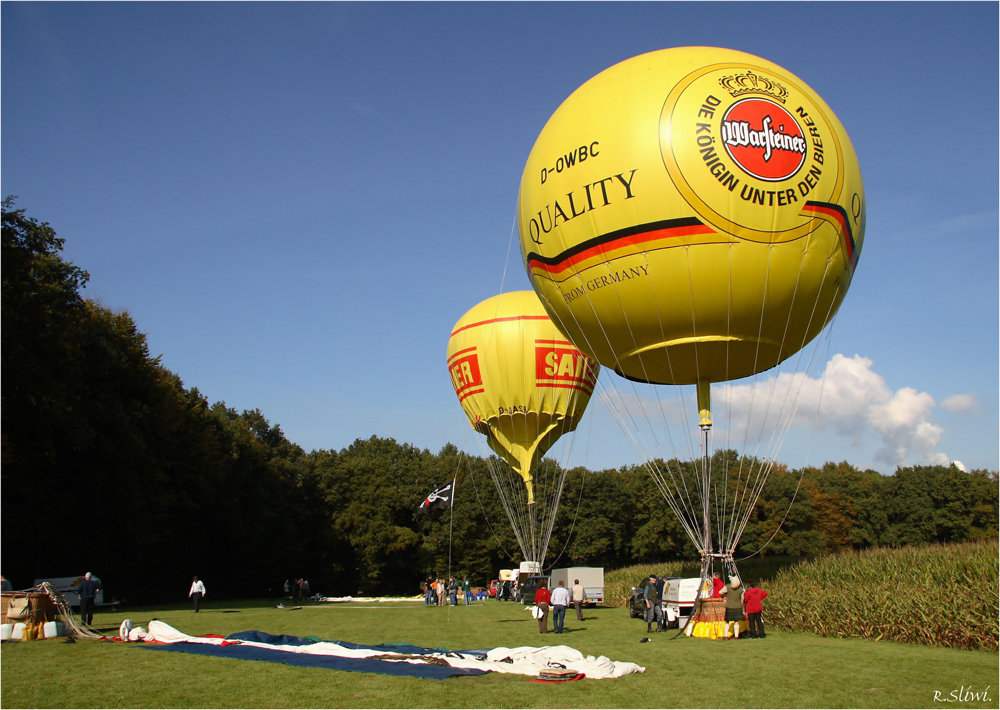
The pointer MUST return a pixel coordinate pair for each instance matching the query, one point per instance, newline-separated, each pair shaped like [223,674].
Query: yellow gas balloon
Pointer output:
[692,215]
[520,381]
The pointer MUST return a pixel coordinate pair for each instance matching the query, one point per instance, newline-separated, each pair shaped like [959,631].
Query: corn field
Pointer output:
[934,595]
[618,583]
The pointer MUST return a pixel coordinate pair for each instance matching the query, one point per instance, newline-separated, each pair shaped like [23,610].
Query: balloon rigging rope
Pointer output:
[614,401]
[533,525]
[723,521]
[508,494]
[751,472]
[486,515]
[783,419]
[753,486]
[728,386]
[510,246]
[514,493]
[685,499]
[819,400]
[753,462]
[814,361]
[509,484]
[620,413]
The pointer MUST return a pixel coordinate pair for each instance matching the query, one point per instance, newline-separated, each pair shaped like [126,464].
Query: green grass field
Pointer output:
[785,670]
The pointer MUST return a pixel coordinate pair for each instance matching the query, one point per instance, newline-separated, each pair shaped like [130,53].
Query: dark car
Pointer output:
[527,588]
[637,602]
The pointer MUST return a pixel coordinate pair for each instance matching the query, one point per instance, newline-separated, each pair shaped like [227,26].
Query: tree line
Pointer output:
[110,464]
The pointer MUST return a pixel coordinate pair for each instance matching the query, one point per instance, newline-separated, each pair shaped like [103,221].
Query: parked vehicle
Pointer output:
[591,579]
[637,602]
[528,586]
[494,586]
[680,600]
[66,586]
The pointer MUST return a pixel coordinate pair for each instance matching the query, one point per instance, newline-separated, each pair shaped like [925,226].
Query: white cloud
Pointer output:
[961,403]
[848,399]
[854,401]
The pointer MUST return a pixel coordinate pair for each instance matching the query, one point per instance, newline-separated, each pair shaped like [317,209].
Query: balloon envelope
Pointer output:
[519,380]
[692,215]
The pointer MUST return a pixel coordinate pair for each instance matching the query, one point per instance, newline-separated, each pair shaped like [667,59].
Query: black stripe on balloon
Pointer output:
[613,236]
[845,220]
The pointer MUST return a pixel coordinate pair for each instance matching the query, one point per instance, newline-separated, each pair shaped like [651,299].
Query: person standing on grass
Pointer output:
[654,606]
[453,591]
[733,594]
[87,590]
[542,599]
[578,599]
[560,600]
[467,591]
[752,599]
[288,591]
[197,592]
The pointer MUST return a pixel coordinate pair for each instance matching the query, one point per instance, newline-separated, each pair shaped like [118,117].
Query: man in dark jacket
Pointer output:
[88,590]
[654,609]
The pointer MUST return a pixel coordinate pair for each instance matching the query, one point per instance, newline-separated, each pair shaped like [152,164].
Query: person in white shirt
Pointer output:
[197,592]
[578,599]
[560,600]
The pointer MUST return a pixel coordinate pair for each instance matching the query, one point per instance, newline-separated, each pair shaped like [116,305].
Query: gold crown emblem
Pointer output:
[750,83]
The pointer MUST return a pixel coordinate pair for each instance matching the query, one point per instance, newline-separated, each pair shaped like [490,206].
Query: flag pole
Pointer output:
[451,520]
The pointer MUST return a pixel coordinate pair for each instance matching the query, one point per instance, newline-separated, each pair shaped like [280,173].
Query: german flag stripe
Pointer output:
[605,244]
[838,215]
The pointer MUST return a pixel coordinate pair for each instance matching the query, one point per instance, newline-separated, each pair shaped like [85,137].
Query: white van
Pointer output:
[680,599]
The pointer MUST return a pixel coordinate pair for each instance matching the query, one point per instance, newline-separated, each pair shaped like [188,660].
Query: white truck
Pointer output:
[66,586]
[591,579]
[679,602]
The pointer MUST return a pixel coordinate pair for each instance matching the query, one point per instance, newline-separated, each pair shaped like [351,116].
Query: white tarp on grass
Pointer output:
[523,660]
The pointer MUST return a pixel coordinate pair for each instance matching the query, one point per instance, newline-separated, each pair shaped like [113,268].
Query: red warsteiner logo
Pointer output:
[559,364]
[764,139]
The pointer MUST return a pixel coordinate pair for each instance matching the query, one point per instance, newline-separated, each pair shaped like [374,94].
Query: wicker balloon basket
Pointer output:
[709,621]
[40,607]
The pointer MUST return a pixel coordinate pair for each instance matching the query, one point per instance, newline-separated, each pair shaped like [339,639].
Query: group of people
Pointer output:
[741,603]
[557,601]
[506,590]
[296,590]
[438,592]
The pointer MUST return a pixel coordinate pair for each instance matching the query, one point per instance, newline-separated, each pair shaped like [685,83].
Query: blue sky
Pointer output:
[296,202]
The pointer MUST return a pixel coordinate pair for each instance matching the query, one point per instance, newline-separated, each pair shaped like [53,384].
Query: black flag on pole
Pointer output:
[438,498]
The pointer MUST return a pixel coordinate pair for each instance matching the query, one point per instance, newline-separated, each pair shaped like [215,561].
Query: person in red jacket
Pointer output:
[752,598]
[717,585]
[542,599]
